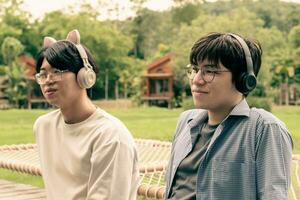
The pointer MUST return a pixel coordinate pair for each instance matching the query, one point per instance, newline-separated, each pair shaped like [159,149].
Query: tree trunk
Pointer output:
[117,89]
[106,84]
[286,95]
[125,90]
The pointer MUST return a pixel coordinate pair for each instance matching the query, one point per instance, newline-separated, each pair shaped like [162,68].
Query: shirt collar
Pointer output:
[201,116]
[241,109]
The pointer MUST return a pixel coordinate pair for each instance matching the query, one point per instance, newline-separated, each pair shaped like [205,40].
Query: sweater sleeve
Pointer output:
[114,171]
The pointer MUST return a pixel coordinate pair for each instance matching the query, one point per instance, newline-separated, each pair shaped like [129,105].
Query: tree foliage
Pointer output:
[122,49]
[16,89]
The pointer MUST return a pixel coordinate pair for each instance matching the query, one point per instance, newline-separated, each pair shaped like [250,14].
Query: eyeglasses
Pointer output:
[208,72]
[56,75]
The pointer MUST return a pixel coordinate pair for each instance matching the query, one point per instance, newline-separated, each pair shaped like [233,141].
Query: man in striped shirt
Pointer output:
[224,150]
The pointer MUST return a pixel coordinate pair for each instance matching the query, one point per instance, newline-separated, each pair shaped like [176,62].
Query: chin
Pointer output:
[199,105]
[52,102]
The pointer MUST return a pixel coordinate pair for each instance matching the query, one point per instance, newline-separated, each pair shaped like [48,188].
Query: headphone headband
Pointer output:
[83,55]
[86,76]
[246,81]
[246,53]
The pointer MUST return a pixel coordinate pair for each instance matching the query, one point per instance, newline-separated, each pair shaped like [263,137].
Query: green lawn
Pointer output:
[290,115]
[144,122]
[147,123]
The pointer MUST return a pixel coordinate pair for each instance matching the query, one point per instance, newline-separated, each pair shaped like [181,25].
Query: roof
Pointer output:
[161,60]
[29,64]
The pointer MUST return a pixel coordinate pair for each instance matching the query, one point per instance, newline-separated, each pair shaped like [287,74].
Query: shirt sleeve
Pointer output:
[114,172]
[169,166]
[181,123]
[273,162]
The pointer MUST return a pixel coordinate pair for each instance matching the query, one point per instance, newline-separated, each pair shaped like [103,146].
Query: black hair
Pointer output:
[63,55]
[225,49]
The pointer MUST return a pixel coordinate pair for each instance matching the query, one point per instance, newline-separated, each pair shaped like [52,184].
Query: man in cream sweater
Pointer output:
[85,152]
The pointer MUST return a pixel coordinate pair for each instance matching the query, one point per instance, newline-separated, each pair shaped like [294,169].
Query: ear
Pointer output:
[74,36]
[48,41]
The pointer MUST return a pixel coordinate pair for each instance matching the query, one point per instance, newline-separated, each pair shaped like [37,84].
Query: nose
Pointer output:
[198,79]
[49,78]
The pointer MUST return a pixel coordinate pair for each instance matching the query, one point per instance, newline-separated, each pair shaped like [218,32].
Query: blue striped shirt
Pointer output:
[249,156]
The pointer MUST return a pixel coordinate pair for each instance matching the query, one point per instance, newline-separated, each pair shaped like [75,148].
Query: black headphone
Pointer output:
[246,82]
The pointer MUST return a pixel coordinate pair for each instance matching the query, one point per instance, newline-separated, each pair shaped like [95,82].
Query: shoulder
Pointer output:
[108,121]
[265,118]
[190,114]
[269,126]
[46,118]
[112,129]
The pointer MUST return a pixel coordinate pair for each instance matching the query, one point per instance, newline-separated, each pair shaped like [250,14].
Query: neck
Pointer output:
[218,115]
[78,110]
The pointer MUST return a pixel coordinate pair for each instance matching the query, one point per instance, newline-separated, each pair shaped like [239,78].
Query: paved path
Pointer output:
[16,191]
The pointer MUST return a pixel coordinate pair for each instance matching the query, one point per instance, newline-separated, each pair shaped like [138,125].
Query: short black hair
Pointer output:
[63,55]
[223,48]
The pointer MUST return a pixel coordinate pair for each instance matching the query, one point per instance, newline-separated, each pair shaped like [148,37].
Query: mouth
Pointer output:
[50,91]
[199,92]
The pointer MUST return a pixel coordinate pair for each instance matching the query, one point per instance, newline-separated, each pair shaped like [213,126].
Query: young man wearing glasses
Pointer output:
[85,153]
[224,149]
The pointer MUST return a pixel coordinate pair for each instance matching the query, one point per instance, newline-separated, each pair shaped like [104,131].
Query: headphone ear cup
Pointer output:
[250,82]
[86,78]
[246,83]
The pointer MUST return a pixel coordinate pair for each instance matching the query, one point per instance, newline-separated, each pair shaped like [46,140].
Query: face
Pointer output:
[60,87]
[216,94]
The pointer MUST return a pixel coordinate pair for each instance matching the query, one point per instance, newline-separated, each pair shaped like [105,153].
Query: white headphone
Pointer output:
[86,77]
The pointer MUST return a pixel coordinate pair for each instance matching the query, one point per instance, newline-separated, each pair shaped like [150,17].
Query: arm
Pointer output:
[114,172]
[273,162]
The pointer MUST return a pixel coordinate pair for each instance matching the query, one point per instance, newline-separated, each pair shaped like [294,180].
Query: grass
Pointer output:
[147,123]
[290,115]
[143,122]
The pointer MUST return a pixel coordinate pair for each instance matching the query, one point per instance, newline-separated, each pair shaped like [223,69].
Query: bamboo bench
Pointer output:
[153,158]
[16,191]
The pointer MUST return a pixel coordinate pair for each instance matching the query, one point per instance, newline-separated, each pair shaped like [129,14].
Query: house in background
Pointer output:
[29,65]
[158,81]
[4,104]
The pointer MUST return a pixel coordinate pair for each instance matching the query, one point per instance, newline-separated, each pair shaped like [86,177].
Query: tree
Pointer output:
[294,36]
[16,90]
[185,14]
[14,22]
[149,29]
[10,49]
